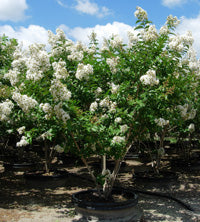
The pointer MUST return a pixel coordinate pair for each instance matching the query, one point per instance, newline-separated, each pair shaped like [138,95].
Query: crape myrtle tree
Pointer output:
[7,48]
[100,100]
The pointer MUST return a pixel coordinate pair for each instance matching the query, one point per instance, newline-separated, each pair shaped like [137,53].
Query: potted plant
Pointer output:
[98,101]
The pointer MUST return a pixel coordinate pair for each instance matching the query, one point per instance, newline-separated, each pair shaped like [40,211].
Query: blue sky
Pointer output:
[29,20]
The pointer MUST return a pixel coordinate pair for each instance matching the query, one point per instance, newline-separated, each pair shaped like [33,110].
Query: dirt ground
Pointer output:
[20,202]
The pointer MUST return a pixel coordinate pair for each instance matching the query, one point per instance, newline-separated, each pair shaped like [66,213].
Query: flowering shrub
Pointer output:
[99,100]
[7,47]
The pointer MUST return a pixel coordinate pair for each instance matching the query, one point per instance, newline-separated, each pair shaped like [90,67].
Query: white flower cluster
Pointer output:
[140,13]
[59,149]
[116,41]
[106,103]
[191,128]
[179,41]
[5,110]
[24,102]
[83,71]
[60,113]
[21,130]
[76,52]
[46,107]
[164,30]
[60,69]
[19,58]
[123,128]
[118,120]
[57,42]
[187,112]
[92,49]
[149,34]
[172,21]
[175,43]
[132,38]
[149,78]
[112,62]
[114,88]
[194,64]
[22,142]
[98,91]
[37,62]
[118,139]
[93,106]
[56,39]
[12,76]
[187,38]
[59,91]
[161,122]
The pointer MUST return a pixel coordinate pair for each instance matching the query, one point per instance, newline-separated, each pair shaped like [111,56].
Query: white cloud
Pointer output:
[102,31]
[12,10]
[61,3]
[91,8]
[193,25]
[32,34]
[173,3]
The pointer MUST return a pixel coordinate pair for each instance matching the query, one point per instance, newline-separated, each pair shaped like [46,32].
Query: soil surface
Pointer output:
[161,200]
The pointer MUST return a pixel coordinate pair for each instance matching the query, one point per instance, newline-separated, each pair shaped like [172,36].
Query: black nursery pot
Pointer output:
[19,166]
[39,179]
[118,211]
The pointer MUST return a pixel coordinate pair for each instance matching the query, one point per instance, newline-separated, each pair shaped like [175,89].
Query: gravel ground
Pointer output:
[21,203]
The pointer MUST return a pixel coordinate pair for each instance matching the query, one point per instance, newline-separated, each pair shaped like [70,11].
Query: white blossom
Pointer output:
[113,106]
[176,43]
[58,39]
[93,106]
[59,91]
[191,128]
[60,69]
[105,103]
[22,142]
[123,128]
[113,62]
[118,139]
[25,102]
[12,76]
[60,113]
[140,13]
[114,88]
[149,34]
[75,56]
[46,107]
[186,111]
[83,71]
[98,91]
[21,130]
[149,78]
[164,30]
[132,37]
[161,122]
[6,109]
[172,21]
[116,41]
[118,120]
